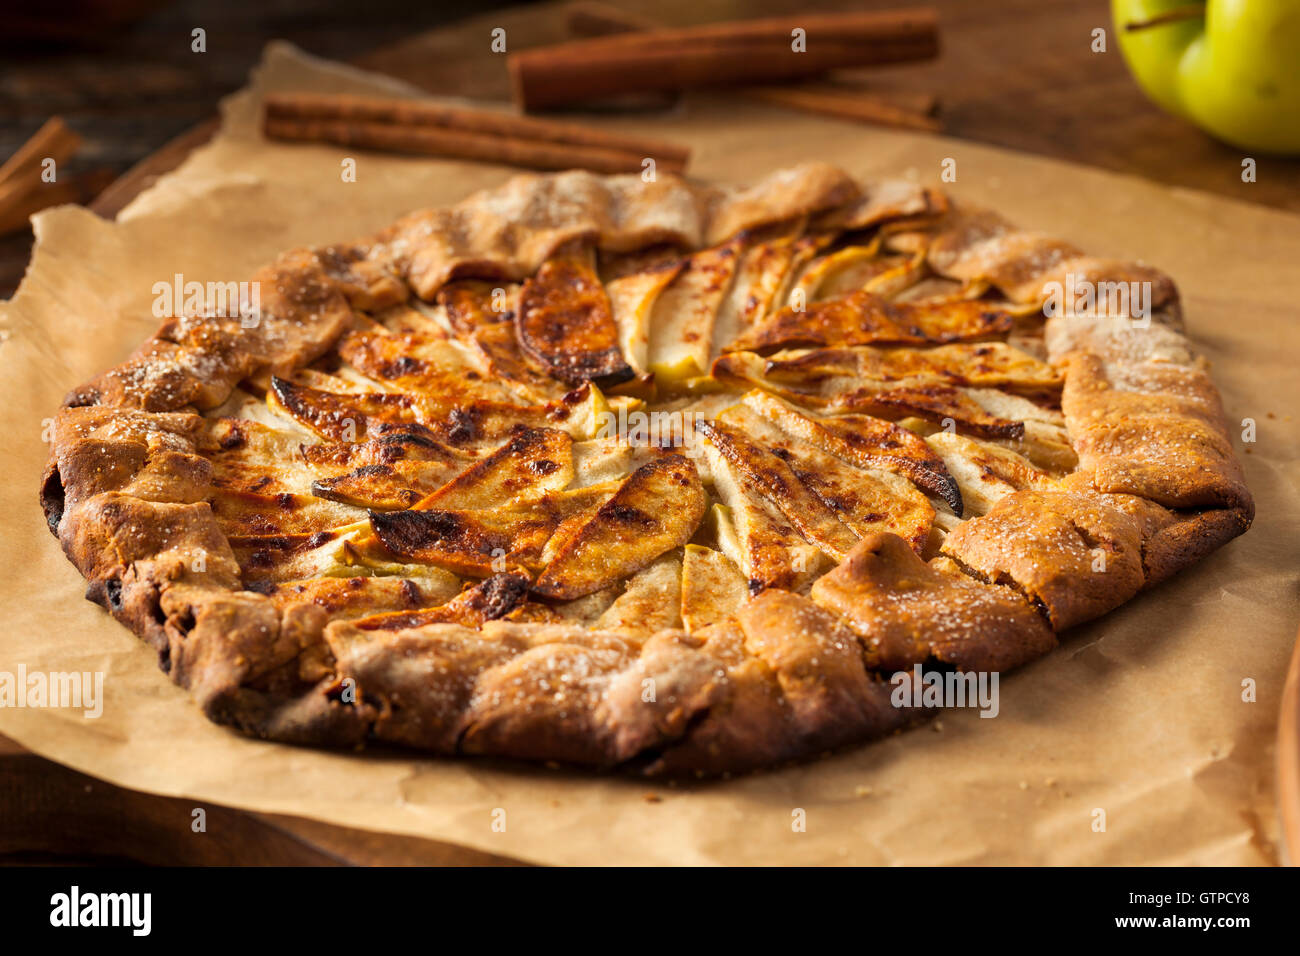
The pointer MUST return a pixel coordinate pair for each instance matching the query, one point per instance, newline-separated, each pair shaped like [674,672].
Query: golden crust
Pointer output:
[1074,556]
[243,556]
[906,611]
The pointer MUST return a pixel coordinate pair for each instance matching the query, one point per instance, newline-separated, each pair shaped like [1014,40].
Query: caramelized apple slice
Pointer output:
[566,325]
[632,299]
[248,513]
[986,472]
[656,509]
[770,472]
[483,317]
[755,535]
[479,543]
[489,600]
[863,318]
[533,462]
[650,603]
[712,587]
[864,441]
[864,500]
[339,416]
[760,276]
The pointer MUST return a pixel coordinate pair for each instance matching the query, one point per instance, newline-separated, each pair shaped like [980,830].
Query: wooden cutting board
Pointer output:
[1019,73]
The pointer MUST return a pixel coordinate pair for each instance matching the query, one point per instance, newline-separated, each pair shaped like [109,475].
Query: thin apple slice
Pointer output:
[866,442]
[986,472]
[651,602]
[770,472]
[864,318]
[339,416]
[828,381]
[496,597]
[755,535]
[759,278]
[864,500]
[982,364]
[632,299]
[681,325]
[482,542]
[655,510]
[565,323]
[533,462]
[249,513]
[842,272]
[712,587]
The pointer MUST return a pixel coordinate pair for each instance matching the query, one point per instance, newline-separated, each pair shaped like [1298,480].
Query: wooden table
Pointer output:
[1017,73]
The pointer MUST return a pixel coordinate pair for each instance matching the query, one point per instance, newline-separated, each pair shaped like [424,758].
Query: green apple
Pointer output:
[1232,68]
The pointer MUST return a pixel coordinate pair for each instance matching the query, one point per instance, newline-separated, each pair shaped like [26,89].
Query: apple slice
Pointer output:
[759,278]
[755,535]
[655,510]
[632,299]
[866,442]
[482,316]
[712,587]
[650,603]
[489,600]
[986,472]
[681,325]
[566,325]
[864,500]
[766,470]
[482,542]
[863,318]
[533,462]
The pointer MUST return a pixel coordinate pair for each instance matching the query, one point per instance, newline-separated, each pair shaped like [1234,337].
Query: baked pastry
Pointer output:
[656,475]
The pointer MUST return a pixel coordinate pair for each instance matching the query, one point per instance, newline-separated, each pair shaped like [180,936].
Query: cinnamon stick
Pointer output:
[435,129]
[749,51]
[898,109]
[54,140]
[458,144]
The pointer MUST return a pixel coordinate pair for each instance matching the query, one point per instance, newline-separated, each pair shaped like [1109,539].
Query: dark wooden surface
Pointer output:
[1017,73]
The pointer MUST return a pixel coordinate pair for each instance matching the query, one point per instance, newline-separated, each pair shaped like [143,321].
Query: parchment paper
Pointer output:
[1139,714]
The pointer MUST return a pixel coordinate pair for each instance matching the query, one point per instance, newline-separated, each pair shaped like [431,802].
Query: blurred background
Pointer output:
[1019,73]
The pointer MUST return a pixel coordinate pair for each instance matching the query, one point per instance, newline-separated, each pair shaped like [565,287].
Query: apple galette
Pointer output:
[646,474]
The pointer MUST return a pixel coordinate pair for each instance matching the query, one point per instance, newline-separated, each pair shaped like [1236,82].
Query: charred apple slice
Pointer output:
[533,462]
[655,510]
[864,318]
[483,317]
[765,469]
[867,442]
[566,325]
[865,500]
[489,600]
[479,543]
[340,416]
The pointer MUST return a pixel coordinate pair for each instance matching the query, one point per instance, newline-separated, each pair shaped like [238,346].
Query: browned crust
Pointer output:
[127,493]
